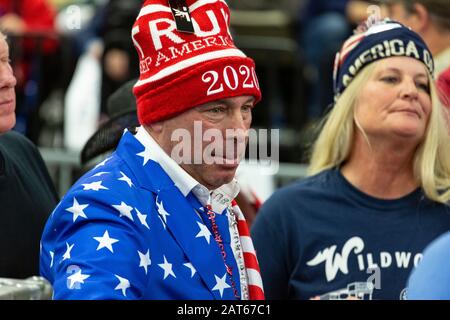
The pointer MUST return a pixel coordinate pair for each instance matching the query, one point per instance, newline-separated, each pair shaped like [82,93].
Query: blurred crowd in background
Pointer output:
[292,41]
[71,56]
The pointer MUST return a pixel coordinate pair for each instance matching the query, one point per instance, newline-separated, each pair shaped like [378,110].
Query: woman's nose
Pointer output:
[409,89]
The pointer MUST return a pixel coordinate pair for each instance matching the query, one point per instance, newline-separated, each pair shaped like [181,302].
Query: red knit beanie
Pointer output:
[181,68]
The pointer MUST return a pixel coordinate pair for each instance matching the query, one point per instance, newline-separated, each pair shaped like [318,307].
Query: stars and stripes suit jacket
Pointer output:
[125,231]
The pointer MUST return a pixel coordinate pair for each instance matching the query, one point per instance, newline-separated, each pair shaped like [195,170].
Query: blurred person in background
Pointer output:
[322,28]
[431,279]
[106,59]
[431,20]
[21,16]
[111,26]
[380,179]
[30,24]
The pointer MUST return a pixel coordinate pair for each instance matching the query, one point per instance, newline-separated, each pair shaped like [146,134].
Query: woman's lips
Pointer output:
[410,112]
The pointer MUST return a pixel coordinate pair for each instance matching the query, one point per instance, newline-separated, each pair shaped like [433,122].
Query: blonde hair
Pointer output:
[432,157]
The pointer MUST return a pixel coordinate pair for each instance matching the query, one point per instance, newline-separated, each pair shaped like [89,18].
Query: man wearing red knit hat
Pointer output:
[157,219]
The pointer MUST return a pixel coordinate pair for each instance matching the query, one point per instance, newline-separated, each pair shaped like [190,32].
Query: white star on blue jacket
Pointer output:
[77,277]
[167,267]
[96,186]
[77,210]
[123,285]
[126,179]
[144,260]
[221,284]
[204,232]
[124,209]
[66,255]
[105,242]
[142,218]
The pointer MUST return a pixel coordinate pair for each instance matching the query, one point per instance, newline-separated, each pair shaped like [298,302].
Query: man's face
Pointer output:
[7,94]
[209,140]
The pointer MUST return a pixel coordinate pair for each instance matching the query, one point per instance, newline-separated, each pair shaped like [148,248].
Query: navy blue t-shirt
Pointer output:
[322,236]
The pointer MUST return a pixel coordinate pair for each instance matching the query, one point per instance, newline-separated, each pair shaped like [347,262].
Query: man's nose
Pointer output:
[7,78]
[240,120]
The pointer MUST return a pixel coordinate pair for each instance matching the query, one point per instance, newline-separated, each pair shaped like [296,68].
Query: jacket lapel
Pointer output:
[184,224]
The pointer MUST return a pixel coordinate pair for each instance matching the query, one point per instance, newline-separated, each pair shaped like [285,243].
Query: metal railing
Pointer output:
[34,288]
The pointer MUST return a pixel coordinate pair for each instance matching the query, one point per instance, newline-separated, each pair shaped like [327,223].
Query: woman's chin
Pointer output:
[409,132]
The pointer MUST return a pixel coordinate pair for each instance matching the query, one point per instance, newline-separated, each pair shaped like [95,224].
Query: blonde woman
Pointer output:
[379,184]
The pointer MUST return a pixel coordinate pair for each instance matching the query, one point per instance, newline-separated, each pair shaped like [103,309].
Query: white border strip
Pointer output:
[191,62]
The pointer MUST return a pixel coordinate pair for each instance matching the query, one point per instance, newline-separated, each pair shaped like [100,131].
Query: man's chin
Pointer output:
[222,175]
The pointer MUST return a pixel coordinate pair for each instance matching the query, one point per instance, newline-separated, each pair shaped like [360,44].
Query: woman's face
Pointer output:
[395,102]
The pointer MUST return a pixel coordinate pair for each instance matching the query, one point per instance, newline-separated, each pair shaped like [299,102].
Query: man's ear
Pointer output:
[421,18]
